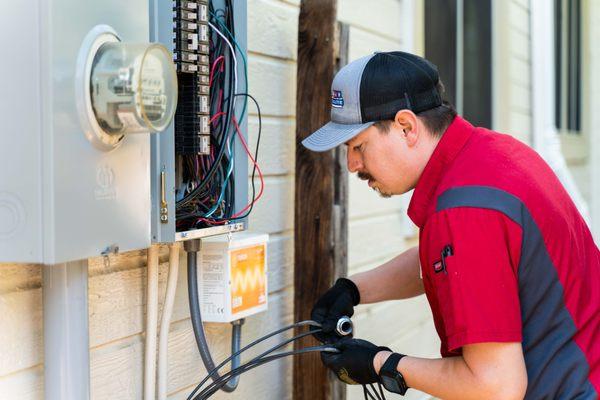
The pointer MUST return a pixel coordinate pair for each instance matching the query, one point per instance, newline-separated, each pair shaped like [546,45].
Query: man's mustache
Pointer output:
[365,176]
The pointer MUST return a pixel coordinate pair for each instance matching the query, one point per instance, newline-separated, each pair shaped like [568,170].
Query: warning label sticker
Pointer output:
[248,277]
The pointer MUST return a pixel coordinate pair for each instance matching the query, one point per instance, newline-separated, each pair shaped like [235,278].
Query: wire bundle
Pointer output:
[200,393]
[262,358]
[205,194]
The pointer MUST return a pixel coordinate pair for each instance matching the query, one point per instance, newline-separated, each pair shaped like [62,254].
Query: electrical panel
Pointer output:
[82,89]
[199,172]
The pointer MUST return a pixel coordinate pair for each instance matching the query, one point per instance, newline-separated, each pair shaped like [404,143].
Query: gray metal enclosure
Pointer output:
[61,198]
[163,146]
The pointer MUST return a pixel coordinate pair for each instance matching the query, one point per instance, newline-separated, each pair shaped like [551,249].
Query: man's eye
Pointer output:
[358,147]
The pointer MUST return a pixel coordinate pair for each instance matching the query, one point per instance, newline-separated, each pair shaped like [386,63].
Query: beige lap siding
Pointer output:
[512,69]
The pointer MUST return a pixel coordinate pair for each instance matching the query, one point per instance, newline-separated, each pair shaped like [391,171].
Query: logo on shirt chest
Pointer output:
[440,266]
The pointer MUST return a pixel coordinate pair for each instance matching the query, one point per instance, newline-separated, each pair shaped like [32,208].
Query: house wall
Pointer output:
[582,151]
[511,62]
[117,291]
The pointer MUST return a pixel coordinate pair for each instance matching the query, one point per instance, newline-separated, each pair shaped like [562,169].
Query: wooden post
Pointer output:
[321,188]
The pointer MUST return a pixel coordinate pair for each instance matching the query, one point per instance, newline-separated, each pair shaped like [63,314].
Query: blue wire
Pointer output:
[242,115]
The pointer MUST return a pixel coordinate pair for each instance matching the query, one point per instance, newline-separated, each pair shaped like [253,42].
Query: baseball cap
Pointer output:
[375,88]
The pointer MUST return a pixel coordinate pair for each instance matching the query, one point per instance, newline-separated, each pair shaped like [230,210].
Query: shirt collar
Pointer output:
[451,143]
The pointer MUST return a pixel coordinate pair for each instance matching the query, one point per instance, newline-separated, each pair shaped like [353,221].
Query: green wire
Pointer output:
[243,113]
[232,38]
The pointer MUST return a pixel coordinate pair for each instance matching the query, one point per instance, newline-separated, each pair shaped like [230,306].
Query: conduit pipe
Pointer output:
[151,324]
[192,247]
[66,331]
[165,321]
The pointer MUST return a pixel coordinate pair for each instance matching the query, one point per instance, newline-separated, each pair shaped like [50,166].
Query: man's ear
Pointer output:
[408,123]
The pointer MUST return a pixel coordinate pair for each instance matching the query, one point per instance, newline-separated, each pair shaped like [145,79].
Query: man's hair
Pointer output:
[436,119]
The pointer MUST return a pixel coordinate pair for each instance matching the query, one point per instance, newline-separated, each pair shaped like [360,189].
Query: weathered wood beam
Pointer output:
[321,187]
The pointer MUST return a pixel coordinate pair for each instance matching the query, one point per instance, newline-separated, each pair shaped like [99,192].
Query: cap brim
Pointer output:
[332,135]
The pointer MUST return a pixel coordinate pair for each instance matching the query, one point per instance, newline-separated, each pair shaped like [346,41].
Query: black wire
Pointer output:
[375,391]
[192,205]
[209,391]
[255,156]
[252,344]
[381,390]
[212,170]
[367,394]
[263,354]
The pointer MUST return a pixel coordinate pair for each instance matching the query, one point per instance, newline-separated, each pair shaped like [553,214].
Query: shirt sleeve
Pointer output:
[470,259]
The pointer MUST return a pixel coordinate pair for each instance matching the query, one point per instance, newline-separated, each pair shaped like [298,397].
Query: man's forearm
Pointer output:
[398,278]
[489,371]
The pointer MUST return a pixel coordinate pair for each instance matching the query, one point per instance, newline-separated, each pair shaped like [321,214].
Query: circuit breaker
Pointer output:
[82,90]
[199,172]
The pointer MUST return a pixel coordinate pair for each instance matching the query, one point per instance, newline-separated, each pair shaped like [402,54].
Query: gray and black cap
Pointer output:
[374,88]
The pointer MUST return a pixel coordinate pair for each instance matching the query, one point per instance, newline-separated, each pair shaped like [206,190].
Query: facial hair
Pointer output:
[385,195]
[366,177]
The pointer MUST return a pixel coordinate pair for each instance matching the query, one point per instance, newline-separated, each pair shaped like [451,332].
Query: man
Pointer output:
[509,267]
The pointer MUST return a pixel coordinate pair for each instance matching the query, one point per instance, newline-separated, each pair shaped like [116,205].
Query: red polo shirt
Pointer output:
[506,257]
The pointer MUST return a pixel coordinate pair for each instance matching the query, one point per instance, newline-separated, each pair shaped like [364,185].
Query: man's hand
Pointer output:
[337,302]
[354,363]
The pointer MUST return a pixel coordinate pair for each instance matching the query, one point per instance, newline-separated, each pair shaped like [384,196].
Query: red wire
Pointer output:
[219,100]
[260,175]
[217,115]
[212,70]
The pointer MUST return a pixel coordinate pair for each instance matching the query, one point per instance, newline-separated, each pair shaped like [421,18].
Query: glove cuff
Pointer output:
[351,287]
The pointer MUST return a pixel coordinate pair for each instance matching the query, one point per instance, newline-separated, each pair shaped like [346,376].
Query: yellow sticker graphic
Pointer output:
[248,280]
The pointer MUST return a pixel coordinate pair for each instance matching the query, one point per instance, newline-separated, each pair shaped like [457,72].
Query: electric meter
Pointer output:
[125,88]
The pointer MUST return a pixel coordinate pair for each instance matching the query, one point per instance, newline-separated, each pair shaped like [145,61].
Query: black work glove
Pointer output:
[337,302]
[354,363]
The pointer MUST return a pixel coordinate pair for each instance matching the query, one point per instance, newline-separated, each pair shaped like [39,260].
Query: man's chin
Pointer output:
[385,195]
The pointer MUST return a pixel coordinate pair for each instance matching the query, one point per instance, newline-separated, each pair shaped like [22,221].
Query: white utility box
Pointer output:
[232,276]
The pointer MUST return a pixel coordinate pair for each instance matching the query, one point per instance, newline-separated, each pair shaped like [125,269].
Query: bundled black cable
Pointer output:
[202,392]
[256,361]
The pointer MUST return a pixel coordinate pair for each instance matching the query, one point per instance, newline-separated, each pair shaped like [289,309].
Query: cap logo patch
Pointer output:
[337,100]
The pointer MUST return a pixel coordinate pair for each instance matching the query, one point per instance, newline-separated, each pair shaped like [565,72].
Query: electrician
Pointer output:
[509,267]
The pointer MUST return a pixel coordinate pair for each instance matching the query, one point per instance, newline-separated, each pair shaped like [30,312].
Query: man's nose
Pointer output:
[354,163]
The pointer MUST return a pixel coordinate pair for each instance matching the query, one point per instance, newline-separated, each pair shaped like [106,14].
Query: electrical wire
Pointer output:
[187,205]
[255,161]
[375,391]
[276,347]
[260,193]
[228,144]
[367,394]
[213,388]
[212,204]
[266,356]
[381,390]
[250,345]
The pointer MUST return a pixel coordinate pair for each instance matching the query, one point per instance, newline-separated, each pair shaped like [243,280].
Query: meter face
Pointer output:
[133,88]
